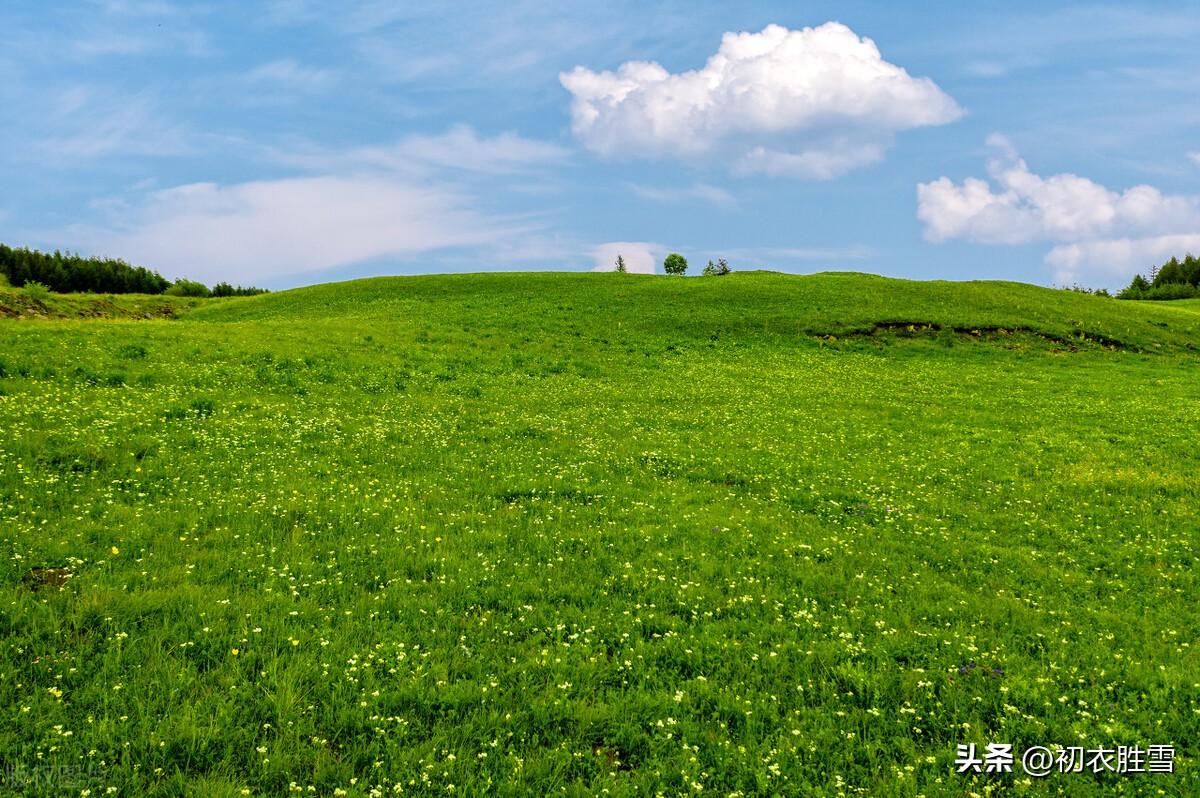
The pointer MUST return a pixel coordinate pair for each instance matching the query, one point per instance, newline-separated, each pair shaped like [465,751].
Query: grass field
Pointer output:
[599,534]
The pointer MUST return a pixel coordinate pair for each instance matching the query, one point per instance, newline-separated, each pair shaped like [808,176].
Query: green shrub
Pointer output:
[223,289]
[37,292]
[719,270]
[185,287]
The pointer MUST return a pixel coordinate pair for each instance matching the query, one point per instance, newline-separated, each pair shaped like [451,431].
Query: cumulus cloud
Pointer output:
[1100,233]
[1117,258]
[261,230]
[810,103]
[641,257]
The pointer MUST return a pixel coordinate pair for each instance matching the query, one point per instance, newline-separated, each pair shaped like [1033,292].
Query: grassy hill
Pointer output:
[599,533]
[837,304]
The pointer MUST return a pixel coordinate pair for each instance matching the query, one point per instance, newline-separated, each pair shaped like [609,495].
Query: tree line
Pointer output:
[1175,279]
[67,273]
[678,265]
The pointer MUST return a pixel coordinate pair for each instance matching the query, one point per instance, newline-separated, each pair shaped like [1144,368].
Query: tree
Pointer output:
[675,264]
[719,270]
[65,272]
[1171,272]
[621,264]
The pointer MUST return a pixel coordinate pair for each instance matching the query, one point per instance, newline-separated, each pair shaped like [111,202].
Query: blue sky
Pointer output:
[281,144]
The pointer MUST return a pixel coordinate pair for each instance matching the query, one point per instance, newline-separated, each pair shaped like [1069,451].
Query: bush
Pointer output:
[185,287]
[223,289]
[1165,291]
[675,264]
[1082,289]
[37,292]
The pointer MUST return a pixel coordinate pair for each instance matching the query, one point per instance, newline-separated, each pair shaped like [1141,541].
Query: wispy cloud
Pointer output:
[128,28]
[697,191]
[287,73]
[261,230]
[139,8]
[91,123]
[458,149]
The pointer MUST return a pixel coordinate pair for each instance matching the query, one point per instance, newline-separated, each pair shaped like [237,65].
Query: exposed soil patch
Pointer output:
[907,329]
[41,578]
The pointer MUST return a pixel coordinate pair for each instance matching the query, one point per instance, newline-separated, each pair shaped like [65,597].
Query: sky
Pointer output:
[279,143]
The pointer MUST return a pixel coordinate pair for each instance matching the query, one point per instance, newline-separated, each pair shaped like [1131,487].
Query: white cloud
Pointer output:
[139,8]
[811,103]
[130,28]
[290,74]
[459,148]
[1117,259]
[1101,234]
[697,191]
[641,257]
[90,124]
[260,230]
[420,196]
[1195,157]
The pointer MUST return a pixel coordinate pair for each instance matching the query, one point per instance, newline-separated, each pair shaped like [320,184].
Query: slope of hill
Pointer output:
[599,534]
[826,304]
[17,304]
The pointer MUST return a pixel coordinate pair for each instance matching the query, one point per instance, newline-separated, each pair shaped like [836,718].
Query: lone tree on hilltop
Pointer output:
[621,264]
[675,264]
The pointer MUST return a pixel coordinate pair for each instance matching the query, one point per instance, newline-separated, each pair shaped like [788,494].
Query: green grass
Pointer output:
[593,534]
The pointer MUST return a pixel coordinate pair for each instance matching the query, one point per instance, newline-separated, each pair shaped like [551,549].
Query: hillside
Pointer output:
[17,304]
[838,304]
[600,534]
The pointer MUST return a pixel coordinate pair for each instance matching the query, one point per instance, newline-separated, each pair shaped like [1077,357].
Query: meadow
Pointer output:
[598,534]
